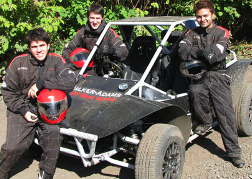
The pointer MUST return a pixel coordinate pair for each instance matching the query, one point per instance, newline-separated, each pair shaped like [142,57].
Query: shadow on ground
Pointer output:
[74,164]
[209,144]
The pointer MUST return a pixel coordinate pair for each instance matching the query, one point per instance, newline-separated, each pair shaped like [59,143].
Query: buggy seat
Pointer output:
[140,55]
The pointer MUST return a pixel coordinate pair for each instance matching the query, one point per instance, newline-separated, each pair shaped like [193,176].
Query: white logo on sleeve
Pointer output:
[71,72]
[220,47]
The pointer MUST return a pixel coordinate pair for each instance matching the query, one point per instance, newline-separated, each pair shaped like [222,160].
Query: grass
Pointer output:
[243,50]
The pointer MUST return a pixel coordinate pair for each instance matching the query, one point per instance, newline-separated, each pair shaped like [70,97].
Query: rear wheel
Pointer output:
[244,111]
[161,153]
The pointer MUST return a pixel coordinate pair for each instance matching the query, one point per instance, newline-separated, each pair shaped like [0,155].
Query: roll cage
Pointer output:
[167,24]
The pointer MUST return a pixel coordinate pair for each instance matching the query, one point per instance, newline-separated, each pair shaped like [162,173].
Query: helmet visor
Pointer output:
[192,68]
[82,56]
[195,70]
[54,108]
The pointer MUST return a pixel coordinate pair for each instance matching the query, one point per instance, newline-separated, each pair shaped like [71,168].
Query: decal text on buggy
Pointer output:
[97,93]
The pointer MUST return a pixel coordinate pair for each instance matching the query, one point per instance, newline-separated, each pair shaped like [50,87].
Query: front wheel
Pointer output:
[161,153]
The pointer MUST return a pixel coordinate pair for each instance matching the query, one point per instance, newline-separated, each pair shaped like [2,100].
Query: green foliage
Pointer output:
[180,7]
[63,18]
[242,49]
[60,18]
[18,17]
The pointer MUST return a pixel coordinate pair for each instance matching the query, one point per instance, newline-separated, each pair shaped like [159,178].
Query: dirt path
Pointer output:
[205,159]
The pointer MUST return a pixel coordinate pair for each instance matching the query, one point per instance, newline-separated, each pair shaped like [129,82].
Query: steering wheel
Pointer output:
[111,69]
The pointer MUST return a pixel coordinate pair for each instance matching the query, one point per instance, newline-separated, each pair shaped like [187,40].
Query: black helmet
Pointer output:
[194,70]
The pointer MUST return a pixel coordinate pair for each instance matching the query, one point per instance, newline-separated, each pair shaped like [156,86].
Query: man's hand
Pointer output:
[209,57]
[105,49]
[196,52]
[33,91]
[30,117]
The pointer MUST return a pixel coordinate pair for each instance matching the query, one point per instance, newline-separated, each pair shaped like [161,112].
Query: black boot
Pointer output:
[237,162]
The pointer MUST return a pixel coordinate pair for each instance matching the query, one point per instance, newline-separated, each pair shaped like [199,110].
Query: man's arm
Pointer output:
[219,50]
[189,48]
[63,79]
[11,91]
[120,49]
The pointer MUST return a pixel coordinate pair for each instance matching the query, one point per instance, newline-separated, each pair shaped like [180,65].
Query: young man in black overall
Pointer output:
[209,44]
[26,75]
[87,37]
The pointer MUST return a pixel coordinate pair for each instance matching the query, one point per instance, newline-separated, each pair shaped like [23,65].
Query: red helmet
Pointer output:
[52,105]
[79,56]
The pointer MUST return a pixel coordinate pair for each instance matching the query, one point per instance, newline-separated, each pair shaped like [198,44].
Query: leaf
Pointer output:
[155,5]
[50,28]
[7,24]
[20,48]
[220,14]
[4,44]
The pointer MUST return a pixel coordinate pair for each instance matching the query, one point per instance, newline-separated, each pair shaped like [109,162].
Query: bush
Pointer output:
[60,18]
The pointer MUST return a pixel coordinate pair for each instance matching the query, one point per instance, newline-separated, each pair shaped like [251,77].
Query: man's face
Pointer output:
[204,18]
[39,49]
[95,20]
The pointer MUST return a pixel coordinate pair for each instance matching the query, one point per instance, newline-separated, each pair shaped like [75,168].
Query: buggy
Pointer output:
[140,106]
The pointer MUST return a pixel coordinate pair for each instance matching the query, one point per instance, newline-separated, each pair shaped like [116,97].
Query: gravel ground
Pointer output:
[205,159]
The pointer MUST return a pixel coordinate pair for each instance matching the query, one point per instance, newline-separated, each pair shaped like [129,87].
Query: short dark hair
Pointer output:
[96,8]
[204,4]
[36,35]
